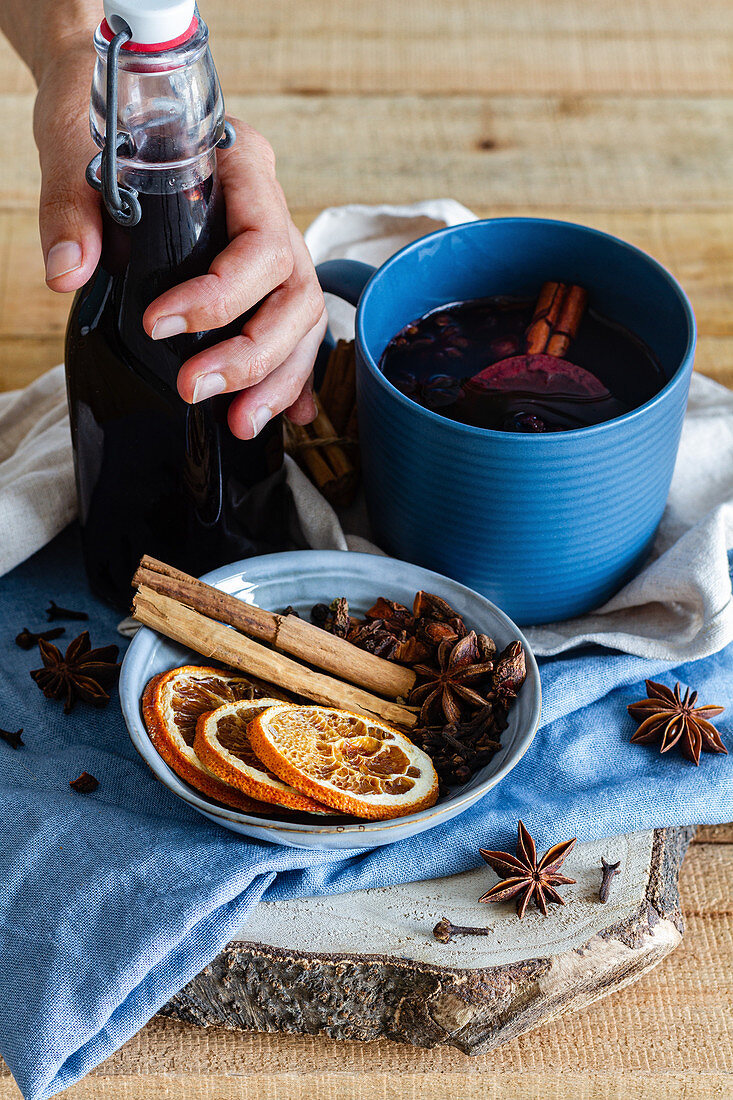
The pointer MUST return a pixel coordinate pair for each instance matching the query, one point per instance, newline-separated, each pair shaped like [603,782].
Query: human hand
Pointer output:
[269,365]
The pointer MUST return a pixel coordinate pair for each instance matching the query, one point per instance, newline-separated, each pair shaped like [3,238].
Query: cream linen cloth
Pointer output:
[678,608]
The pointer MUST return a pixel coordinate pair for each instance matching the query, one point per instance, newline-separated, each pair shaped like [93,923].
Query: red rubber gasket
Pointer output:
[150,47]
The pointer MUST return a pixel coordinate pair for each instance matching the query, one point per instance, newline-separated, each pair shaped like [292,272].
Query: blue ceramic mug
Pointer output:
[546,525]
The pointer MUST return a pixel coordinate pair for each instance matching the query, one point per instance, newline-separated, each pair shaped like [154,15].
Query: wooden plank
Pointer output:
[470,47]
[715,358]
[494,150]
[714,834]
[16,77]
[483,150]
[467,46]
[24,358]
[707,884]
[380,1085]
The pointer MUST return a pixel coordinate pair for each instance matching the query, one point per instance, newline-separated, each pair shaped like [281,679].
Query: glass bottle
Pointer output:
[154,474]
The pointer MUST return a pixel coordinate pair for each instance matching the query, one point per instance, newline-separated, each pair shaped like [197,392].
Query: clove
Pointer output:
[319,614]
[609,870]
[53,612]
[13,739]
[27,639]
[444,931]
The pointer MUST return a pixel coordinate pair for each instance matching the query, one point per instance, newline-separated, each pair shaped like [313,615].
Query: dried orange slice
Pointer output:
[357,765]
[222,744]
[171,704]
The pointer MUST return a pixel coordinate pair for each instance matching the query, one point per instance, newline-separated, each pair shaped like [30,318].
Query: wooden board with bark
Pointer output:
[365,965]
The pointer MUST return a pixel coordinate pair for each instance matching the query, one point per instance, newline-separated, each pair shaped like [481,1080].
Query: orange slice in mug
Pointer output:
[355,764]
[222,744]
[172,703]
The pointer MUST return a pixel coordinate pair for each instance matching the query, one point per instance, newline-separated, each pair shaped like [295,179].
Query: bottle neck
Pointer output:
[170,110]
[169,179]
[176,239]
[179,233]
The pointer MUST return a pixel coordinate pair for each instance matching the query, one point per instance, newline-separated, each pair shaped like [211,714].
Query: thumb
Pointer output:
[69,210]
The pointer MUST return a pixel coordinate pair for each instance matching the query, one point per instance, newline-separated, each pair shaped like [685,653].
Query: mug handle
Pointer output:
[347,279]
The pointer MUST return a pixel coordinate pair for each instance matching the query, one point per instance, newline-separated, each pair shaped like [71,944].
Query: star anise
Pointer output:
[510,670]
[12,738]
[427,605]
[445,687]
[393,614]
[375,637]
[432,633]
[674,718]
[526,878]
[79,674]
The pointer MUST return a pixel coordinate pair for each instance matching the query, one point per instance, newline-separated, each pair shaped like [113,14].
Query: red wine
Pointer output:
[468,361]
[155,475]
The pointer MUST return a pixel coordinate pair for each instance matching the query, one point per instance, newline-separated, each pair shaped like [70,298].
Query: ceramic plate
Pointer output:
[300,579]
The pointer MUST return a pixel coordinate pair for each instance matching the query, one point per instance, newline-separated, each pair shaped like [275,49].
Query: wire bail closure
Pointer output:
[228,138]
[122,203]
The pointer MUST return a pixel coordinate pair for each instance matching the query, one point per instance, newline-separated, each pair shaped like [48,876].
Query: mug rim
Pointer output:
[677,379]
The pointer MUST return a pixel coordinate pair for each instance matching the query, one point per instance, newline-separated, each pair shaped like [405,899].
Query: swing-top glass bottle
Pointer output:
[155,475]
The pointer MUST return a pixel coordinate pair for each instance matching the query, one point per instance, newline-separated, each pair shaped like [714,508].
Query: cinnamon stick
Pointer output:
[568,322]
[319,449]
[338,390]
[335,455]
[218,642]
[545,315]
[352,427]
[305,449]
[556,318]
[285,632]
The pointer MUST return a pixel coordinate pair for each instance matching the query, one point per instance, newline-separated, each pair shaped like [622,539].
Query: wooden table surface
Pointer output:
[616,114]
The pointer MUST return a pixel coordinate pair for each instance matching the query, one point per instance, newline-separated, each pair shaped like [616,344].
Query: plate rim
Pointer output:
[139,736]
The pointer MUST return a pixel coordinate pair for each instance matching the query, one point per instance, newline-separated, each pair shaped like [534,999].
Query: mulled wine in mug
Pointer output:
[521,385]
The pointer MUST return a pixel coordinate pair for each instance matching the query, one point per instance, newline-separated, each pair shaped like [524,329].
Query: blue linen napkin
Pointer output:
[111,902]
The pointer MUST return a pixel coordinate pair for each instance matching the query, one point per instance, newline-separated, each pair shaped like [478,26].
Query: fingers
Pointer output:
[267,339]
[266,263]
[303,410]
[69,212]
[287,387]
[258,259]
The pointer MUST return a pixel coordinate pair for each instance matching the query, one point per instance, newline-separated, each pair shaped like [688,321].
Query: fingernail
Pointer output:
[64,257]
[261,416]
[208,385]
[168,326]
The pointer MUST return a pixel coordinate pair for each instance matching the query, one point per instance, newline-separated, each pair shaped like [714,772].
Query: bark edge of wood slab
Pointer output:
[253,987]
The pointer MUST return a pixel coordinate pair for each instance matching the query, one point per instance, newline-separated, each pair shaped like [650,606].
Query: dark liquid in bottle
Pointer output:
[155,475]
[436,360]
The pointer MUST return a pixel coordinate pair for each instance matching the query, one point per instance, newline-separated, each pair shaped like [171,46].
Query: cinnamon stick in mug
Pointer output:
[556,319]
